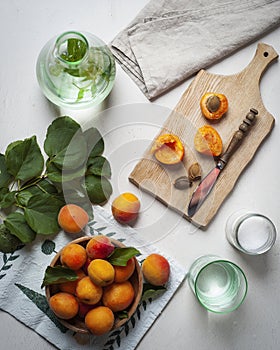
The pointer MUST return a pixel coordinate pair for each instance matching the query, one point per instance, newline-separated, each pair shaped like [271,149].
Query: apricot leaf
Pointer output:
[7,198]
[5,176]
[57,175]
[95,142]
[99,166]
[98,188]
[151,292]
[24,159]
[41,213]
[58,274]
[120,256]
[18,226]
[65,144]
[8,242]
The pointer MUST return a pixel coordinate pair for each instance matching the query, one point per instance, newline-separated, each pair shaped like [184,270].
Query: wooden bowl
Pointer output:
[76,324]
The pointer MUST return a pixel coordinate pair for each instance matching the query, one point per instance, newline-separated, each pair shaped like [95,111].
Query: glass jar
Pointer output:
[76,70]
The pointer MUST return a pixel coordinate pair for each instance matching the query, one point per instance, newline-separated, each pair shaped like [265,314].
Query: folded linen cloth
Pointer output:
[22,272]
[169,40]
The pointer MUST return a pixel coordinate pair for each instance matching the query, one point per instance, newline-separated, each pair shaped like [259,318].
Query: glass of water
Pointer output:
[219,285]
[250,233]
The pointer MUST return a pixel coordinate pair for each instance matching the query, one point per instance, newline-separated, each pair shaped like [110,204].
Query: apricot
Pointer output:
[118,296]
[125,208]
[72,218]
[213,106]
[88,292]
[84,309]
[168,149]
[156,269]
[101,272]
[74,256]
[123,273]
[70,287]
[64,305]
[99,247]
[99,320]
[208,141]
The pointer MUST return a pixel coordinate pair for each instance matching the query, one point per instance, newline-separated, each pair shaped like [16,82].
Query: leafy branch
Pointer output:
[33,190]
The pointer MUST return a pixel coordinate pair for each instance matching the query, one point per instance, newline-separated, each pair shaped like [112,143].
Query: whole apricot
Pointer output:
[99,320]
[74,256]
[118,296]
[123,273]
[125,208]
[88,292]
[99,247]
[101,272]
[72,218]
[156,269]
[64,305]
[70,286]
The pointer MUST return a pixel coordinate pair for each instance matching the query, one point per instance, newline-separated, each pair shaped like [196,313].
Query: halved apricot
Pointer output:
[208,141]
[213,106]
[168,149]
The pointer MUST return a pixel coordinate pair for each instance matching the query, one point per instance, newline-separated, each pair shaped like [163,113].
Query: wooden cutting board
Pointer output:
[243,93]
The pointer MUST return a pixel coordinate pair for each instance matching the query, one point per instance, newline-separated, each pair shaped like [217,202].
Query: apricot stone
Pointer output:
[101,272]
[74,256]
[87,292]
[64,305]
[125,208]
[156,270]
[99,247]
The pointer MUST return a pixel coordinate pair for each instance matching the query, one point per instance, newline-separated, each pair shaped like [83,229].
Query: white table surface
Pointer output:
[25,27]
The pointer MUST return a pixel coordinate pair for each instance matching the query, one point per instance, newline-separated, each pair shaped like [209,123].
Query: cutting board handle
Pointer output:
[264,55]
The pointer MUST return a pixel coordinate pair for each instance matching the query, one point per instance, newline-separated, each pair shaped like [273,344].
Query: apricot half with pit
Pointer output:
[168,149]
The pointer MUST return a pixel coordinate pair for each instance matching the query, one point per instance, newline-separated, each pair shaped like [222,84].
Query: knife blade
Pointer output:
[207,183]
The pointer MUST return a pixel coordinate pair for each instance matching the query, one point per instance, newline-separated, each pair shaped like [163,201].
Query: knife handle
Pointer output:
[239,135]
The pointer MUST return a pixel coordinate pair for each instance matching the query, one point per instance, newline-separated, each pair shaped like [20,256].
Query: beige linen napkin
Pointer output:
[170,40]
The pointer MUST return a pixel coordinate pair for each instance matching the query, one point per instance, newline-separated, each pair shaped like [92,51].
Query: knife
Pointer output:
[207,184]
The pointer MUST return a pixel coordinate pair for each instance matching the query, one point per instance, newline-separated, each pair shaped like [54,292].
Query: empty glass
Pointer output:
[219,285]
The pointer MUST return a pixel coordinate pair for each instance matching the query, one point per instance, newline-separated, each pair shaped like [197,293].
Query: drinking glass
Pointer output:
[250,232]
[219,285]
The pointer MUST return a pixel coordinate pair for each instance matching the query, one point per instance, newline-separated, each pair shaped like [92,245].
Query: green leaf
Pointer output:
[76,49]
[8,242]
[57,175]
[41,213]
[99,166]
[24,159]
[95,142]
[151,292]
[99,189]
[120,256]
[42,186]
[5,176]
[122,314]
[58,274]
[7,198]
[65,144]
[18,226]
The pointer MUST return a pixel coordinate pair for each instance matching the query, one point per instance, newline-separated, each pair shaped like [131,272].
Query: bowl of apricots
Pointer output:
[94,284]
